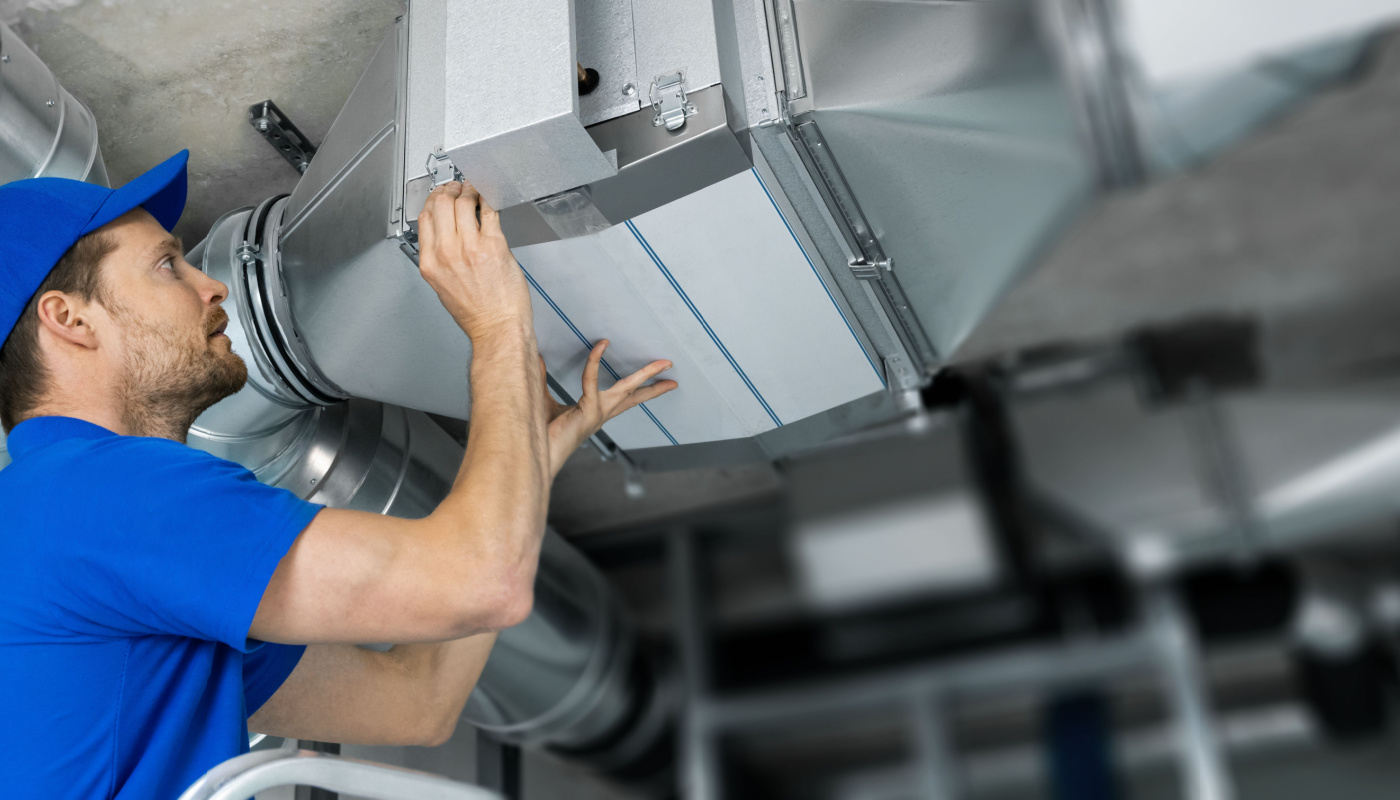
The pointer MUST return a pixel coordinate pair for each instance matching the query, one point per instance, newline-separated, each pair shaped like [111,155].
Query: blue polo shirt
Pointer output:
[130,570]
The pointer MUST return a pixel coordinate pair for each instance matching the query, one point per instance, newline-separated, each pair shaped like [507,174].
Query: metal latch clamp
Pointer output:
[442,170]
[871,271]
[669,102]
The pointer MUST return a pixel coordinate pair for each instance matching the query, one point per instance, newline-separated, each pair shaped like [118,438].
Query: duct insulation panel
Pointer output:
[718,283]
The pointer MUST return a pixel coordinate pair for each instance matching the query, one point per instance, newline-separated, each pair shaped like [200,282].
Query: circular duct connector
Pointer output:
[641,751]
[242,251]
[564,676]
[570,678]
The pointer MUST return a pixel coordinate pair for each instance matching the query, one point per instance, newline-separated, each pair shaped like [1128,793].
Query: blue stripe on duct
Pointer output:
[586,343]
[701,319]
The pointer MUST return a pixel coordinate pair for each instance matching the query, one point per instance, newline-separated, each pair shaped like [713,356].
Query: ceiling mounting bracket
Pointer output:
[280,132]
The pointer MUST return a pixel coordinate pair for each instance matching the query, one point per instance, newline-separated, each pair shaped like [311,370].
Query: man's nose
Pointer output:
[212,290]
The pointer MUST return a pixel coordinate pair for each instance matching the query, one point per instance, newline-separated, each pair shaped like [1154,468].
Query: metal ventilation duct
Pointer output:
[830,218]
[1164,84]
[686,253]
[44,130]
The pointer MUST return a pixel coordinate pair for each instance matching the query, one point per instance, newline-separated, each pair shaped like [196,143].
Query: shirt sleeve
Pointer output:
[166,539]
[265,668]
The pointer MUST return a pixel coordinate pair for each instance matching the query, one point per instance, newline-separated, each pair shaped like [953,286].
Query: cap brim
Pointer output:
[161,191]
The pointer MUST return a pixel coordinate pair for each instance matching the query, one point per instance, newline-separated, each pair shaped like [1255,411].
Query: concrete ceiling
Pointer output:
[162,75]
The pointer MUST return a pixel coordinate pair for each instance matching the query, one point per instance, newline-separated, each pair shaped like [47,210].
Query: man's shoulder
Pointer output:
[140,465]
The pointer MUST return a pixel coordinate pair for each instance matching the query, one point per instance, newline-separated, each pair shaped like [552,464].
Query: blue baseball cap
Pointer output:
[40,218]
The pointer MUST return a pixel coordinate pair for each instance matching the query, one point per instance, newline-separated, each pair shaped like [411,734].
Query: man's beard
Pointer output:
[169,378]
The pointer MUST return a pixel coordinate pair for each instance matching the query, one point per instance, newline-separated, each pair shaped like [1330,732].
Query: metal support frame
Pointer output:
[1164,643]
[994,457]
[935,768]
[700,775]
[1205,773]
[1223,473]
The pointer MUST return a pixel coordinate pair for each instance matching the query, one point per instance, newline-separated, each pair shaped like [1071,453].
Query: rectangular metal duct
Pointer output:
[522,138]
[705,266]
[763,246]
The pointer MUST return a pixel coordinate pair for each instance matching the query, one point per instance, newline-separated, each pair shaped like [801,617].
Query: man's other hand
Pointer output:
[570,426]
[465,258]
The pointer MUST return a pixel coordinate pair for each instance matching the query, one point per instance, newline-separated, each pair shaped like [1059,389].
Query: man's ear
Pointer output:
[69,318]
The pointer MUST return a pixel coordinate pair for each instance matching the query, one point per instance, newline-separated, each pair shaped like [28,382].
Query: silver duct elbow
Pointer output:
[44,130]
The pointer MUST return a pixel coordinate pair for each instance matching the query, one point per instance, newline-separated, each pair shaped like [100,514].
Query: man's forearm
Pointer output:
[503,484]
[470,565]
[412,694]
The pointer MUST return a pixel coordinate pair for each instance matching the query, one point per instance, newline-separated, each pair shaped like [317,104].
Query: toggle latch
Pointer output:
[669,102]
[442,169]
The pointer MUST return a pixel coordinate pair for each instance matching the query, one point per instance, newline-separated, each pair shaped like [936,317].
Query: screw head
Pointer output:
[49,103]
[628,90]
[262,125]
[5,59]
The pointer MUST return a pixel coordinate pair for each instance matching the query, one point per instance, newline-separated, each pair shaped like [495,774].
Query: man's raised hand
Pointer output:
[570,426]
[465,258]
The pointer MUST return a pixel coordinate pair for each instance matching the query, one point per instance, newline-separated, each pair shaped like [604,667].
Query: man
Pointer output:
[143,583]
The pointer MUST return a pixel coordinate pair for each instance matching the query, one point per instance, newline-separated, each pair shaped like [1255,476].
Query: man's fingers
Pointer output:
[466,203]
[490,220]
[427,232]
[641,376]
[646,393]
[590,369]
[442,214]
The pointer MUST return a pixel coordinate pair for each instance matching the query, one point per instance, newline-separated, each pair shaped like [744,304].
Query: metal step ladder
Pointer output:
[244,776]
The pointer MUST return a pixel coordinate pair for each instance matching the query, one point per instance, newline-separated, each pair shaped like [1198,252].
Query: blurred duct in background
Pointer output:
[1166,85]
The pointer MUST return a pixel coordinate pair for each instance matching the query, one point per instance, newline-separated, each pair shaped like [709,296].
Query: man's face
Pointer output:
[173,358]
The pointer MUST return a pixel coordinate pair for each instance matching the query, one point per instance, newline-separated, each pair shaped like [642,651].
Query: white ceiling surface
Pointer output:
[1174,39]
[894,551]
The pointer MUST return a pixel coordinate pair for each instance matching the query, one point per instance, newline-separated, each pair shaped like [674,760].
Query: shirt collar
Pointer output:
[39,432]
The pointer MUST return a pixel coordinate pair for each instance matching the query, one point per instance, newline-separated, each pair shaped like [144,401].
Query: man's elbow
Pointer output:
[438,734]
[511,606]
[503,605]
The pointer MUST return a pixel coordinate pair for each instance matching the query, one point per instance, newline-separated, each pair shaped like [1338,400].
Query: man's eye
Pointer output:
[169,264]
